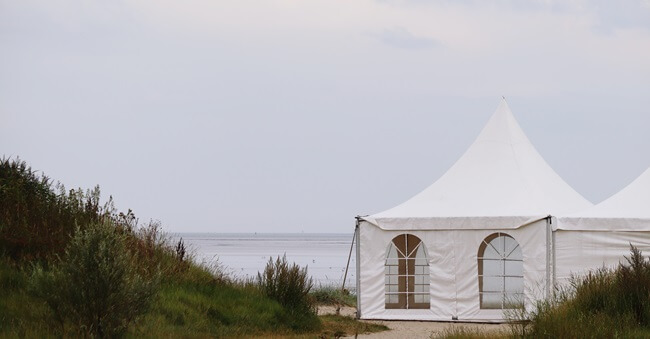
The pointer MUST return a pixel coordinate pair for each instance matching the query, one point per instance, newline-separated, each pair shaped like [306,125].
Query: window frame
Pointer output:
[509,299]
[407,274]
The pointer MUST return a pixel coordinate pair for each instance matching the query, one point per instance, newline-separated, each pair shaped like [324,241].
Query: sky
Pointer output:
[295,116]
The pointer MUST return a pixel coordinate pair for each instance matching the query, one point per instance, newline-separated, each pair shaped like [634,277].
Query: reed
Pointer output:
[603,303]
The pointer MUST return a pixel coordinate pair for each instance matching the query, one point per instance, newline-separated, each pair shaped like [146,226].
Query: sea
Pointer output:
[243,255]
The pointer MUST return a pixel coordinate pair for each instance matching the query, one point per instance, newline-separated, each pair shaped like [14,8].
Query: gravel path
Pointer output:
[414,329]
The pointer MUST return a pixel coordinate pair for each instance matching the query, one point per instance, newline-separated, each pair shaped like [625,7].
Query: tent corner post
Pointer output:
[549,257]
[554,261]
[358,264]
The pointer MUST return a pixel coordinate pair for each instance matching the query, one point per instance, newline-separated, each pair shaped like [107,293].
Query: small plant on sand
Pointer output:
[95,288]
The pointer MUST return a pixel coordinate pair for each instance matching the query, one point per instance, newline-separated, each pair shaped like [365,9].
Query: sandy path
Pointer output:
[413,329]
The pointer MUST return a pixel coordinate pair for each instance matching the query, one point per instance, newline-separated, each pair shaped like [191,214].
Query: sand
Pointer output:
[414,329]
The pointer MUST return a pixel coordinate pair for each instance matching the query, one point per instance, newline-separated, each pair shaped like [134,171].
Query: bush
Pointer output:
[288,285]
[96,287]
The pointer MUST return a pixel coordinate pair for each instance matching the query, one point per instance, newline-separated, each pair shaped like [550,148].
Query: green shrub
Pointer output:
[330,295]
[96,287]
[287,284]
[632,283]
[603,303]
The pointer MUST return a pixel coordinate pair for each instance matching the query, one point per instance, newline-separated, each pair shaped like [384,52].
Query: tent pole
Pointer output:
[548,256]
[354,235]
[357,233]
[553,241]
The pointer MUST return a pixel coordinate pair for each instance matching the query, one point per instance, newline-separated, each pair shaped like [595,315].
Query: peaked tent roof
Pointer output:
[501,177]
[627,210]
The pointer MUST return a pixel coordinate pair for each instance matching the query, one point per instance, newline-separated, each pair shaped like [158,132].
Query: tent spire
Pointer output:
[501,174]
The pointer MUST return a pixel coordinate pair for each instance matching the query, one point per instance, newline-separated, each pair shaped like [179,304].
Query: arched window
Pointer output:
[407,273]
[500,272]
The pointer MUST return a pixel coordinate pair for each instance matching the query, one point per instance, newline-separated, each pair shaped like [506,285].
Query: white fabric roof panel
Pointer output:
[501,179]
[627,210]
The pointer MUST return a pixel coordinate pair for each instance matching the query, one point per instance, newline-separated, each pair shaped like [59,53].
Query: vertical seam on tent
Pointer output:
[455,315]
[512,149]
[514,156]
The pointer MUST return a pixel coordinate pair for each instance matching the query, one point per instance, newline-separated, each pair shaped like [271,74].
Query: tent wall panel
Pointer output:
[453,265]
[578,252]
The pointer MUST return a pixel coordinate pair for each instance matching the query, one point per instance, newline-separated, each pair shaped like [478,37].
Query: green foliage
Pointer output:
[337,326]
[604,303]
[71,267]
[289,285]
[95,287]
[632,283]
[469,332]
[20,313]
[198,309]
[330,295]
[37,218]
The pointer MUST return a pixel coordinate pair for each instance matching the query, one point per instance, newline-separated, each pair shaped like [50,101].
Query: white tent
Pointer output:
[601,235]
[475,242]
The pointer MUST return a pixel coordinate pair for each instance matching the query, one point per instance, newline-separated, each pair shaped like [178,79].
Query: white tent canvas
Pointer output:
[473,243]
[601,236]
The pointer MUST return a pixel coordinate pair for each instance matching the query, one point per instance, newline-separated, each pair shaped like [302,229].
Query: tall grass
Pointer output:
[290,285]
[604,303]
[38,217]
[469,332]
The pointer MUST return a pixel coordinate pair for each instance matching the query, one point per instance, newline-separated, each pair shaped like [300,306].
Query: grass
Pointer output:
[189,310]
[604,303]
[192,310]
[193,305]
[21,315]
[330,295]
[464,332]
[37,222]
[337,326]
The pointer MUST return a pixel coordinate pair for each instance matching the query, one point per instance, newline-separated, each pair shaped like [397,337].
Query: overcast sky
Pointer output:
[295,116]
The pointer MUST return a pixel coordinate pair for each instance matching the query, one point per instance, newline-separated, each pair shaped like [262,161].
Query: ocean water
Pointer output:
[243,255]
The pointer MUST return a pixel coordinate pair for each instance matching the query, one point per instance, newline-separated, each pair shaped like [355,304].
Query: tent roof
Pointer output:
[500,177]
[627,210]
